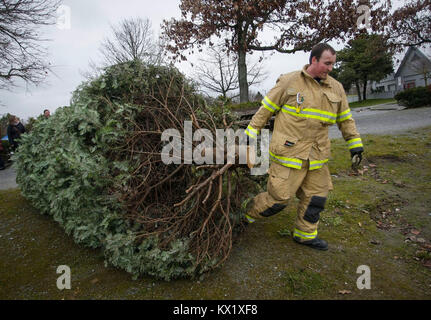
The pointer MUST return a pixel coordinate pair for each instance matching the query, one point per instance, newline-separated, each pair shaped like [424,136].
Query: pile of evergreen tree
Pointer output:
[95,167]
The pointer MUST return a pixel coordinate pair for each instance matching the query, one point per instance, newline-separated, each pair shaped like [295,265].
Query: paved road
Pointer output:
[387,119]
[7,179]
[381,119]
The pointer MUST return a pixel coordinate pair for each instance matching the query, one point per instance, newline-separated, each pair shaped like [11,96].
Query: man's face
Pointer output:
[46,113]
[325,64]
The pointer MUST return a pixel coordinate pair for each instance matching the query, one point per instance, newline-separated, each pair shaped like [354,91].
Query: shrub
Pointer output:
[244,105]
[415,97]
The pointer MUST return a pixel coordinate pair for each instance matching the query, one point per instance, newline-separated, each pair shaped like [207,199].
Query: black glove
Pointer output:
[356,152]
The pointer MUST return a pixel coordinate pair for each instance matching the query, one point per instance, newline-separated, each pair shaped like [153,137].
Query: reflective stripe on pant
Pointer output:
[311,187]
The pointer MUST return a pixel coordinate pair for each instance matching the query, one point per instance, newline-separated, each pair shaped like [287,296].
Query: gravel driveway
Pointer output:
[380,119]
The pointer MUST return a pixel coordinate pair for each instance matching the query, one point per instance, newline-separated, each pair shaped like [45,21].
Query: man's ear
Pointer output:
[314,60]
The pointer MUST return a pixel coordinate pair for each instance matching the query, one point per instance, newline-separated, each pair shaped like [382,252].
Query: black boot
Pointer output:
[315,243]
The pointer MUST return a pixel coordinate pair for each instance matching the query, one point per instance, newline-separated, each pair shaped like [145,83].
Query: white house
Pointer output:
[414,71]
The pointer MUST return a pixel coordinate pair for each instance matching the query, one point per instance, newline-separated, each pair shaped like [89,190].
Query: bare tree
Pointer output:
[21,53]
[132,39]
[218,71]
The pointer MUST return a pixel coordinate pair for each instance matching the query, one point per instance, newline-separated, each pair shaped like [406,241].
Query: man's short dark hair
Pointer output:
[318,50]
[45,110]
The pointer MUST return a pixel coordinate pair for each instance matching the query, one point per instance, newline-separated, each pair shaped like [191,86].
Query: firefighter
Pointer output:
[305,103]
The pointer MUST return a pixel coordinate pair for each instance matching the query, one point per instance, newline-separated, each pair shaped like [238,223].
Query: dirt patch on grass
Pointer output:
[386,212]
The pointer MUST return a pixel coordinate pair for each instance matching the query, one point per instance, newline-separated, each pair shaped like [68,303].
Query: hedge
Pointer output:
[415,97]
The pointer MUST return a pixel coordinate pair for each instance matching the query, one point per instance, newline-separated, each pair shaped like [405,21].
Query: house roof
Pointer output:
[411,51]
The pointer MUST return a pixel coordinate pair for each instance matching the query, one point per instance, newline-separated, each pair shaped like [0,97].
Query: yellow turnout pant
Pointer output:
[311,187]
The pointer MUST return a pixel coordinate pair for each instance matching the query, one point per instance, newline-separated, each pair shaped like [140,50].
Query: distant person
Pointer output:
[2,166]
[46,113]
[14,130]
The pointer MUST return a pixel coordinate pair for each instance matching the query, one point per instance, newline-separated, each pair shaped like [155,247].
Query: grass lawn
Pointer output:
[370,102]
[380,218]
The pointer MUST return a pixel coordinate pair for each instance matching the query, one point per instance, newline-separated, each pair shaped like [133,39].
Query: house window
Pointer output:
[410,84]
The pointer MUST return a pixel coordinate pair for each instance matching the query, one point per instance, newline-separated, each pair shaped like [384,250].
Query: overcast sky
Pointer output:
[70,51]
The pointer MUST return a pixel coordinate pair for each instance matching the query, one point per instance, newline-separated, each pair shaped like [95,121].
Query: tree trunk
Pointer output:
[358,89]
[222,80]
[365,89]
[242,77]
[242,68]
